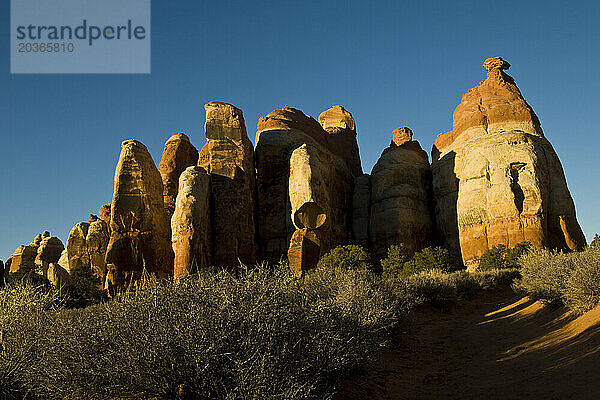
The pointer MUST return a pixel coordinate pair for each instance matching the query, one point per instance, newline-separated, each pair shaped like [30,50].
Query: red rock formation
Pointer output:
[497,180]
[23,256]
[191,223]
[305,176]
[140,236]
[401,206]
[179,153]
[104,213]
[228,157]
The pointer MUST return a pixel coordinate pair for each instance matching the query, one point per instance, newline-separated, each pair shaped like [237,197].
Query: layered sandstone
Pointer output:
[496,178]
[191,223]
[179,153]
[228,157]
[401,192]
[140,236]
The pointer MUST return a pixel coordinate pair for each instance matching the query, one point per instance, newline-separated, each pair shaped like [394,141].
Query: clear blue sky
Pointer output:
[390,63]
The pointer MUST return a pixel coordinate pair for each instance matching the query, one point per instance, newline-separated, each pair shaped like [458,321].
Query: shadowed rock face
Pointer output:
[228,157]
[361,210]
[496,178]
[57,275]
[179,153]
[191,223]
[140,236]
[48,252]
[401,206]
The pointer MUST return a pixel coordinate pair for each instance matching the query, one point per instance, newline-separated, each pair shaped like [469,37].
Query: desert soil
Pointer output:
[497,345]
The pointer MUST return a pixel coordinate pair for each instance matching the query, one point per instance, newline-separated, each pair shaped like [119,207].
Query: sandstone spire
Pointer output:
[496,178]
[191,223]
[401,206]
[140,236]
[305,174]
[228,157]
[179,153]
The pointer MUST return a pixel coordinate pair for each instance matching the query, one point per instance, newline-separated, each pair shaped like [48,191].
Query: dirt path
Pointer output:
[496,346]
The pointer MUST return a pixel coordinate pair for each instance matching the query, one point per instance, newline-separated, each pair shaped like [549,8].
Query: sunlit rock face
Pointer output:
[191,223]
[496,178]
[179,153]
[140,236]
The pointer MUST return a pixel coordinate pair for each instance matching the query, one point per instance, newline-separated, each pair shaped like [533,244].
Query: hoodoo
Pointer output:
[496,178]
[140,236]
[228,157]
[305,175]
[401,203]
[179,153]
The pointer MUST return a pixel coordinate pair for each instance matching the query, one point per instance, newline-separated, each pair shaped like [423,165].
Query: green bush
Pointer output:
[500,256]
[582,289]
[83,288]
[544,274]
[430,258]
[349,257]
[393,264]
[262,334]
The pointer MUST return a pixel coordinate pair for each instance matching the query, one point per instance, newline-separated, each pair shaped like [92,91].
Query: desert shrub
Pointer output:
[27,274]
[496,277]
[439,288]
[262,334]
[393,264]
[350,257]
[544,274]
[582,290]
[431,286]
[23,308]
[500,256]
[430,258]
[83,288]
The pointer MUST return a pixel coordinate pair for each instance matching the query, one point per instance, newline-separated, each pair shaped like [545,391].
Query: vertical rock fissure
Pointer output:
[519,196]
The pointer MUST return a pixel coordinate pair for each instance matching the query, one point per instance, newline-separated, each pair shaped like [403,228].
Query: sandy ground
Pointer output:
[495,346]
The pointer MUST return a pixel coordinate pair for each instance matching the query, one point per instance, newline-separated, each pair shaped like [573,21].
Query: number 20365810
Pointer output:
[26,47]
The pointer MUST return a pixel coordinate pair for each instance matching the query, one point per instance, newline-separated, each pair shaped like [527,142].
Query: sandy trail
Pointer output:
[496,346]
